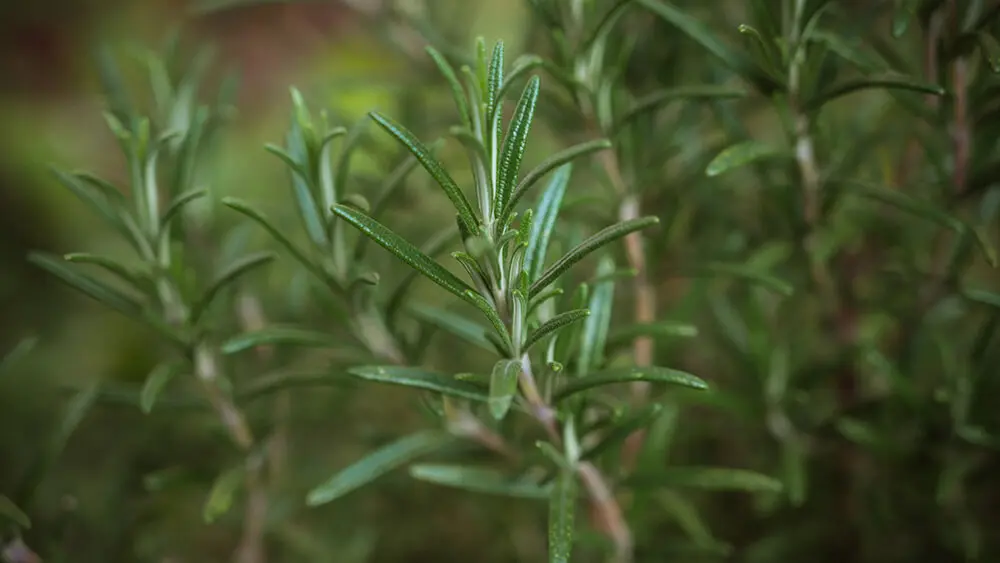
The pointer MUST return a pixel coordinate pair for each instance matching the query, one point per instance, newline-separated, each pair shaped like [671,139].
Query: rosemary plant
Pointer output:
[794,199]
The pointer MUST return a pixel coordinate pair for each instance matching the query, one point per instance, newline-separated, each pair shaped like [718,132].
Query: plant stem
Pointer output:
[606,510]
[208,372]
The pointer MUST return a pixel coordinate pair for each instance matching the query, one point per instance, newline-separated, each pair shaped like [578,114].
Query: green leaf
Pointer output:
[700,33]
[278,335]
[91,287]
[708,478]
[18,352]
[177,206]
[422,379]
[478,480]
[494,82]
[746,273]
[499,328]
[562,512]
[514,145]
[990,50]
[133,278]
[457,325]
[544,222]
[291,247]
[559,160]
[435,245]
[657,100]
[626,334]
[433,167]
[229,277]
[921,208]
[75,411]
[603,27]
[741,154]
[555,324]
[522,66]
[112,214]
[223,492]
[594,336]
[622,429]
[282,380]
[901,17]
[651,374]
[378,463]
[11,512]
[867,83]
[603,237]
[983,297]
[456,87]
[503,387]
[155,382]
[303,172]
[404,250]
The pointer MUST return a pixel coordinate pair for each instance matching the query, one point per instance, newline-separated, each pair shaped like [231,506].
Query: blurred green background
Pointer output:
[131,487]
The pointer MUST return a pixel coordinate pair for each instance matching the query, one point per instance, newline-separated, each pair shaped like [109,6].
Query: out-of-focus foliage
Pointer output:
[824,175]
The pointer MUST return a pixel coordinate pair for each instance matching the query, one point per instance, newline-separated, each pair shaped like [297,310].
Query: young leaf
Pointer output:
[478,480]
[74,413]
[457,325]
[554,325]
[746,273]
[278,335]
[155,382]
[281,380]
[605,26]
[696,30]
[177,206]
[503,387]
[651,374]
[93,288]
[107,210]
[544,222]
[990,49]
[422,379]
[220,498]
[456,88]
[742,154]
[228,277]
[708,478]
[622,429]
[624,335]
[376,464]
[11,512]
[135,279]
[657,100]
[522,66]
[404,250]
[562,510]
[499,328]
[558,160]
[433,167]
[594,336]
[19,351]
[601,238]
[867,83]
[515,143]
[493,84]
[278,236]
[915,206]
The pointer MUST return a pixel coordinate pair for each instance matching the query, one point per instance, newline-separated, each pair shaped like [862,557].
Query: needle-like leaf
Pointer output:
[601,238]
[433,167]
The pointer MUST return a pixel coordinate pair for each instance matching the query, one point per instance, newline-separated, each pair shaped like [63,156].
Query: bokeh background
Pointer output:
[131,487]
